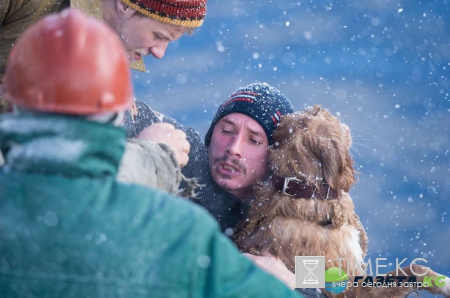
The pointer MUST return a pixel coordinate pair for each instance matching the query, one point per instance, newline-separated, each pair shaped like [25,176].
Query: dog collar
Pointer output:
[297,188]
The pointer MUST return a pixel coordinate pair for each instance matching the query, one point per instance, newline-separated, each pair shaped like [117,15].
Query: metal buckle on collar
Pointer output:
[301,190]
[328,191]
[313,196]
[287,180]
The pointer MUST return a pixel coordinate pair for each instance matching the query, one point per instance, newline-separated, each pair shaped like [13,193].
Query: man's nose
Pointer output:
[159,50]
[235,146]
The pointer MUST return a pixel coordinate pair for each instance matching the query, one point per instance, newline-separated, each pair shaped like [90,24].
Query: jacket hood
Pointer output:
[62,145]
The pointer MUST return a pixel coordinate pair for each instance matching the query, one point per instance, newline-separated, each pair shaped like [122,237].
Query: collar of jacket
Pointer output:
[60,145]
[94,8]
[228,200]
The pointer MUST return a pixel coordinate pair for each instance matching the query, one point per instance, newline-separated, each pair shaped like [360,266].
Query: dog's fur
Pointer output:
[313,146]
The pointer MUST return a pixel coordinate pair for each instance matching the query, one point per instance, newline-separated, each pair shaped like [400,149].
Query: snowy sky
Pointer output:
[382,66]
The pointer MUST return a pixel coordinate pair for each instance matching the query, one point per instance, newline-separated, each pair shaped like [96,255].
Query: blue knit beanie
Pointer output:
[260,101]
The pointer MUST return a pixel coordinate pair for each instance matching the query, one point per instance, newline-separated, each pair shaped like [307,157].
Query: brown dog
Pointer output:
[306,209]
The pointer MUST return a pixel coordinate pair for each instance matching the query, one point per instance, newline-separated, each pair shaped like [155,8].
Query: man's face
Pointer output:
[238,154]
[142,35]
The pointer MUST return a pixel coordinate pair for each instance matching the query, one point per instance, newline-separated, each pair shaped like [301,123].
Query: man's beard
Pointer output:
[235,162]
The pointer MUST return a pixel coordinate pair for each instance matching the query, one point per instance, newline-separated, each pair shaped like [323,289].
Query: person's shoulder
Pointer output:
[159,201]
[145,112]
[17,10]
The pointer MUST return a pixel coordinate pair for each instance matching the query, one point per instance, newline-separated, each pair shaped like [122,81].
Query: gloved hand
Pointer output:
[167,134]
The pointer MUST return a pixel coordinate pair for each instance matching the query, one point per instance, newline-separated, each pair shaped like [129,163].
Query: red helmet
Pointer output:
[69,63]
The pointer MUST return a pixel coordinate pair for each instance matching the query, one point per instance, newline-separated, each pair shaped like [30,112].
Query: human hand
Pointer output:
[274,266]
[167,134]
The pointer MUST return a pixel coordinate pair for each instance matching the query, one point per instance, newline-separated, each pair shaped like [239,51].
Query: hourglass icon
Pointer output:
[310,278]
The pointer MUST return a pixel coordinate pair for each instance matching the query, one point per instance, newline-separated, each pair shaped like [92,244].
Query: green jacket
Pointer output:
[69,229]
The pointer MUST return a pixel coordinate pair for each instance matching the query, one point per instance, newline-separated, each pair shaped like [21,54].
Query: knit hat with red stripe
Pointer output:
[260,101]
[184,13]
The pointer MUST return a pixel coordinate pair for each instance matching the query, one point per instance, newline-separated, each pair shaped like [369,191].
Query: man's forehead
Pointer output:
[241,120]
[168,31]
[174,29]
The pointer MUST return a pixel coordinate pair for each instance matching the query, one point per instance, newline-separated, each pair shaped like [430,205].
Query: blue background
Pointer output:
[383,67]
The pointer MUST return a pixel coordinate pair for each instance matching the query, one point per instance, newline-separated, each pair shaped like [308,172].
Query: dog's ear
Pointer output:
[333,159]
[337,162]
[346,135]
[348,176]
[291,155]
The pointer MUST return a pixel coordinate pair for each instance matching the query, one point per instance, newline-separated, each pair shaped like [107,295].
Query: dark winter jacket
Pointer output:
[226,208]
[69,229]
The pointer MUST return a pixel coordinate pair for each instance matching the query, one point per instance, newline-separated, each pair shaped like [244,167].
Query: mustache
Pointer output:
[234,161]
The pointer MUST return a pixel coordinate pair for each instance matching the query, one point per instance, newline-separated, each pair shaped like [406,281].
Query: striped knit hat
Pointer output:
[260,101]
[184,13]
